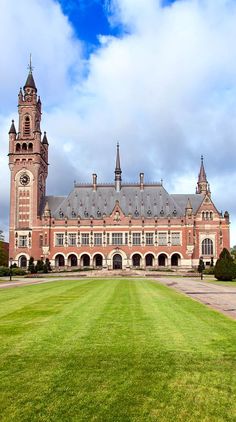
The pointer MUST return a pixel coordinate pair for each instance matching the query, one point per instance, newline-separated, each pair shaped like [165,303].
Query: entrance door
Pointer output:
[117,262]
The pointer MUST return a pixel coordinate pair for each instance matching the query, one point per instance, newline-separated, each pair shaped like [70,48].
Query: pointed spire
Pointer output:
[12,128]
[188,205]
[202,173]
[202,185]
[118,169]
[30,79]
[45,139]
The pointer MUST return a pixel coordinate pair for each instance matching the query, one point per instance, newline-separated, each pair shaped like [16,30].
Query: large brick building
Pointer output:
[111,225]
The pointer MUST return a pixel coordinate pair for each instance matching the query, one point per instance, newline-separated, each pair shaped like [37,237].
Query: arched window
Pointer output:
[17,147]
[149,260]
[24,147]
[117,262]
[162,259]
[30,147]
[98,260]
[175,260]
[207,247]
[23,261]
[26,128]
[73,262]
[85,260]
[60,261]
[136,260]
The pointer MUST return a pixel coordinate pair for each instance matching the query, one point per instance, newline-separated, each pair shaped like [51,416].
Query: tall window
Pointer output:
[85,238]
[23,241]
[136,238]
[59,239]
[149,238]
[26,129]
[175,238]
[162,238]
[72,239]
[117,238]
[97,238]
[207,247]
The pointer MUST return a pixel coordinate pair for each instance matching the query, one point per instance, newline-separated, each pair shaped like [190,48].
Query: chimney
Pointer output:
[141,176]
[94,182]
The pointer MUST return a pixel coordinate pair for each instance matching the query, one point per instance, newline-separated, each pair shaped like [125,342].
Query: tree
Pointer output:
[225,269]
[39,267]
[48,265]
[31,266]
[3,255]
[201,266]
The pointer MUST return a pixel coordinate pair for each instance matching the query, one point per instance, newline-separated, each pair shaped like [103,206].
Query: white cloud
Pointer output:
[166,90]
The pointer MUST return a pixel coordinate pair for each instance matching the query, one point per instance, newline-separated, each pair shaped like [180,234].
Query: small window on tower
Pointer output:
[26,129]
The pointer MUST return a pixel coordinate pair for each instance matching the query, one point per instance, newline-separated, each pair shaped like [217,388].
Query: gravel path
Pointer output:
[221,298]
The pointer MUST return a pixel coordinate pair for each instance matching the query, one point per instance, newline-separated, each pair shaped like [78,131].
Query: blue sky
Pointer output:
[91,17]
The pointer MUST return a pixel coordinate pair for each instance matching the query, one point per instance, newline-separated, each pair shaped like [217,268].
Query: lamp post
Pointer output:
[10,271]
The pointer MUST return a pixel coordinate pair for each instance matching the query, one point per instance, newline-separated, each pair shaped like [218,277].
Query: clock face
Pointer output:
[24,179]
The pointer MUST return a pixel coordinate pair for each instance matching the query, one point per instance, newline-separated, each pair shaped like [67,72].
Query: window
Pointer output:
[162,238]
[40,240]
[97,238]
[108,238]
[175,238]
[149,238]
[126,238]
[117,238]
[23,241]
[72,239]
[207,247]
[26,129]
[59,239]
[85,238]
[136,238]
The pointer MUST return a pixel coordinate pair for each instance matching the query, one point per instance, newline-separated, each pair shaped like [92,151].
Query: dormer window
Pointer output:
[26,129]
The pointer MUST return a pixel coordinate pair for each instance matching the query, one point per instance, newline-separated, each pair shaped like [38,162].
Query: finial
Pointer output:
[161,182]
[202,158]
[30,67]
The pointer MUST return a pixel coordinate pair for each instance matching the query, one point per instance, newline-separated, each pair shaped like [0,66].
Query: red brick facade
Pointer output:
[109,226]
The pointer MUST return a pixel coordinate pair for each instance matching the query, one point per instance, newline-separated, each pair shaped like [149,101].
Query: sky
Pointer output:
[157,76]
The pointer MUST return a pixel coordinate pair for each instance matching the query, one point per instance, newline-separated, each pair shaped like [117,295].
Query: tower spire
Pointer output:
[202,184]
[30,79]
[118,169]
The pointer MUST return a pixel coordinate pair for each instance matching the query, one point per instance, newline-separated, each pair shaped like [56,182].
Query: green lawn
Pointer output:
[114,350]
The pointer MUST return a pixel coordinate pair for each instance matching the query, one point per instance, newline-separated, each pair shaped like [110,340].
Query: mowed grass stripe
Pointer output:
[115,350]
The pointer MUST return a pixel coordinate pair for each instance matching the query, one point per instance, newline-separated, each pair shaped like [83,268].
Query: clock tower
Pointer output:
[28,163]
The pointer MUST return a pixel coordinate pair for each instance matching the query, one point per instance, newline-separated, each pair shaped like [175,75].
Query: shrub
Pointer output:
[4,271]
[31,266]
[225,269]
[209,271]
[18,271]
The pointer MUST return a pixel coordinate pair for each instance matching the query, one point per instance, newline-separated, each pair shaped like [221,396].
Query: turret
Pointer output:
[118,170]
[202,184]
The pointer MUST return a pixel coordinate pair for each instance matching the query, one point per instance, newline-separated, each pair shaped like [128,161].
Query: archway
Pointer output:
[136,258]
[149,260]
[98,259]
[162,260]
[117,262]
[73,261]
[23,261]
[60,261]
[175,260]
[85,260]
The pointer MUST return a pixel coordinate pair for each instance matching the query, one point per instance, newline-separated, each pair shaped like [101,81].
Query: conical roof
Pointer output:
[12,128]
[202,173]
[45,139]
[30,81]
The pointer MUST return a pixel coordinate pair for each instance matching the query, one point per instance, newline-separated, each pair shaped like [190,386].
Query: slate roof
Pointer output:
[153,201]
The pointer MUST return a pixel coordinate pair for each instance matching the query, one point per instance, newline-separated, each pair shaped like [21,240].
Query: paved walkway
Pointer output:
[219,297]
